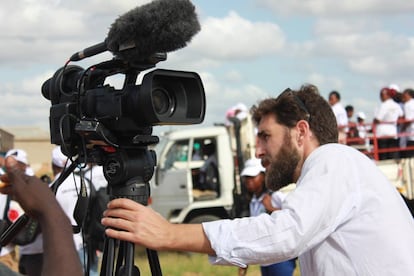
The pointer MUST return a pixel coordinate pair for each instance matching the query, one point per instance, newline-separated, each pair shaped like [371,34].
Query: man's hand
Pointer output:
[130,221]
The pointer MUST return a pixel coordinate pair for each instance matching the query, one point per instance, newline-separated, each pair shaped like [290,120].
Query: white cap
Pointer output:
[253,167]
[19,155]
[243,111]
[395,87]
[58,158]
[361,115]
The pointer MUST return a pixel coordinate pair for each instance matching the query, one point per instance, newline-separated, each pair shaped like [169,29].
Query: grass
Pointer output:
[189,264]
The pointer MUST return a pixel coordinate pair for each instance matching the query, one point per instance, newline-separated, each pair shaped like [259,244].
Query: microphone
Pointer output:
[159,26]
[90,51]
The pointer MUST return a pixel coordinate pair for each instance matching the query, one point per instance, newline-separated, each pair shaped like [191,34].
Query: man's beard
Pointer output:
[282,167]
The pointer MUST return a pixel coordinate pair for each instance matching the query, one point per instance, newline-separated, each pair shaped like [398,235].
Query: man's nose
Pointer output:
[259,150]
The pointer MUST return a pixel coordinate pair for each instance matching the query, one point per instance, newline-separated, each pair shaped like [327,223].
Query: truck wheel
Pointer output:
[203,218]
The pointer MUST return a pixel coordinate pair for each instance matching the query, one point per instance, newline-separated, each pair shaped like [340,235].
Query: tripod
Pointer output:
[128,173]
[125,259]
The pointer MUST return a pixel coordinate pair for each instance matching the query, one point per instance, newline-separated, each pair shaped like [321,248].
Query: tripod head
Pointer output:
[128,172]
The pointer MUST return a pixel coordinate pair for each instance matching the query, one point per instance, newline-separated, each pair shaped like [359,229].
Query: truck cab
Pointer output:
[176,189]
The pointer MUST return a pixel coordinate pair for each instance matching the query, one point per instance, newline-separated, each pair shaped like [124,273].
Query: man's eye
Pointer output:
[264,136]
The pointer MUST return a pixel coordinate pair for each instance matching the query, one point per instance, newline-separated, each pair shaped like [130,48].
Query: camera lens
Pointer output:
[162,101]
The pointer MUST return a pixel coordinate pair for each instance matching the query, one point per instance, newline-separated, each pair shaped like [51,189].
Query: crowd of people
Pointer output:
[392,126]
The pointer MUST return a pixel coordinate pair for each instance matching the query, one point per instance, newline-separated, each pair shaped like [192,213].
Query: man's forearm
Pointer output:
[190,237]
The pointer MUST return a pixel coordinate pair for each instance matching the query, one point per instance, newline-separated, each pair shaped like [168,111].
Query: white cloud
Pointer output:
[37,30]
[233,37]
[333,8]
[233,76]
[325,82]
[363,48]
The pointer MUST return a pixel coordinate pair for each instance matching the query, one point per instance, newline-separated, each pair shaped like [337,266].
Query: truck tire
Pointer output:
[203,218]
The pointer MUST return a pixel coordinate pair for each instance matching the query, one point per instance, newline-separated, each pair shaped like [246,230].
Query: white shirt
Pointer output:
[256,206]
[343,218]
[409,116]
[67,196]
[340,114]
[388,114]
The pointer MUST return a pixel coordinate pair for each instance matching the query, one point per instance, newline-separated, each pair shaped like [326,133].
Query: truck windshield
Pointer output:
[160,146]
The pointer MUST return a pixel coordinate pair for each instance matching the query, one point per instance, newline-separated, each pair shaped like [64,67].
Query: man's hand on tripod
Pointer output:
[133,222]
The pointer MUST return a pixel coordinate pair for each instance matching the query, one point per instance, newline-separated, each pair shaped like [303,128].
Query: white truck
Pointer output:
[174,187]
[174,192]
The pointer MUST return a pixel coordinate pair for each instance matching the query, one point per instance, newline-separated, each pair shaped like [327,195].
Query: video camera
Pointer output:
[86,111]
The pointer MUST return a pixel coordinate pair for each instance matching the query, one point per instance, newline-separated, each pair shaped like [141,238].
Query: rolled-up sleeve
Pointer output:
[250,240]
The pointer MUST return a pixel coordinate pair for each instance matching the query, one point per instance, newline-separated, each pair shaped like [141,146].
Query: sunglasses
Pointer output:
[290,93]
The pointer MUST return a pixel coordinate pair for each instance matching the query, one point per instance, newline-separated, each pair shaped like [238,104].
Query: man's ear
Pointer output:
[303,130]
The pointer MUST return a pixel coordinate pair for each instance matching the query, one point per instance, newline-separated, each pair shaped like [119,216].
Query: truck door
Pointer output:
[171,190]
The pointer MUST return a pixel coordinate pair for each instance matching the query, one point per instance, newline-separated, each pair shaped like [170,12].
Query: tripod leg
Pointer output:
[154,262]
[128,268]
[107,267]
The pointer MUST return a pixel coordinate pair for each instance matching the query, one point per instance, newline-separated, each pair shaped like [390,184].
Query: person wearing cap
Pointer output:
[263,200]
[385,123]
[361,126]
[239,111]
[67,194]
[22,161]
[31,255]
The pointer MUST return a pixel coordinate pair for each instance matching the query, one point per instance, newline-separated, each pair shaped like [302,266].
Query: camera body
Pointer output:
[86,112]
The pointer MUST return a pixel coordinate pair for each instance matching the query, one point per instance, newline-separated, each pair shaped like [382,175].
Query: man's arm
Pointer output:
[39,202]
[130,221]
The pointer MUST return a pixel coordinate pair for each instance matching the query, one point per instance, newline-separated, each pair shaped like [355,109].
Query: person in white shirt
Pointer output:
[340,115]
[67,195]
[343,218]
[385,123]
[408,126]
[362,127]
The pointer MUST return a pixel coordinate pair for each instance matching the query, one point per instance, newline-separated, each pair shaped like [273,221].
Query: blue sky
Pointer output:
[246,50]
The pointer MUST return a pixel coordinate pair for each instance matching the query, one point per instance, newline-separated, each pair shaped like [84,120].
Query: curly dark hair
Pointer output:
[304,104]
